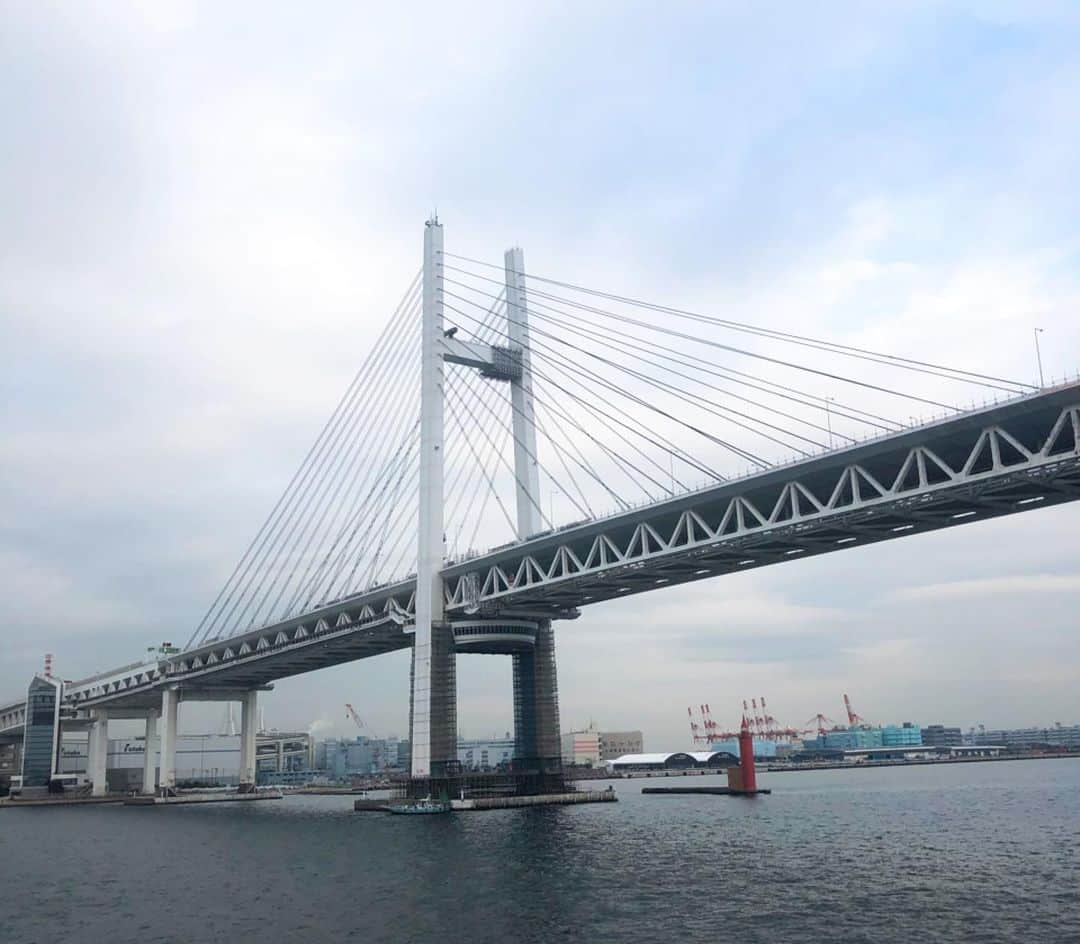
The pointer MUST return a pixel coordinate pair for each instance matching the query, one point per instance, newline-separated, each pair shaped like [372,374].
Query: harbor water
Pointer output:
[975,852]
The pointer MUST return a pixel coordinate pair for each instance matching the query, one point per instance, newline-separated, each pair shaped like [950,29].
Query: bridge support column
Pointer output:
[149,769]
[433,701]
[170,703]
[438,694]
[548,740]
[249,708]
[525,755]
[98,751]
[537,745]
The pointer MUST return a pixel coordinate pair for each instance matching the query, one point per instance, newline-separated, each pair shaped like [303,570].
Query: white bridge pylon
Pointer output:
[433,715]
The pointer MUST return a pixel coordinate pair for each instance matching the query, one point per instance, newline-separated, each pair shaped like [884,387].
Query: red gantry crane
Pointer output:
[816,725]
[759,722]
[376,754]
[853,719]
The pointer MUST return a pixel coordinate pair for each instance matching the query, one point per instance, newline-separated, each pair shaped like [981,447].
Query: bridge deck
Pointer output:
[1003,459]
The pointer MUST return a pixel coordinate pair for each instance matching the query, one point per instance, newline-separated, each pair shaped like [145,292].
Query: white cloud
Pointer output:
[208,215]
[1009,585]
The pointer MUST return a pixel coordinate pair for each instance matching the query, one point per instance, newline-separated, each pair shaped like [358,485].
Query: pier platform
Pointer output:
[543,799]
[707,791]
[477,804]
[19,803]
[187,798]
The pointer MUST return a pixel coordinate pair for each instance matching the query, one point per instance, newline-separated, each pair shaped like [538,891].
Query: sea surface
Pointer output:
[979,852]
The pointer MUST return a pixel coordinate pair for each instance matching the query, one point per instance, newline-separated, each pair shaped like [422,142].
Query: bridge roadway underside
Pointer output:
[227,680]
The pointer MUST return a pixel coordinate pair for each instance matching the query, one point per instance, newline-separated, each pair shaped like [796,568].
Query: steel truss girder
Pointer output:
[1007,464]
[349,629]
[1018,455]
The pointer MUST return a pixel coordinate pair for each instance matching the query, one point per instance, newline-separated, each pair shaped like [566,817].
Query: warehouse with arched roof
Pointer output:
[676,760]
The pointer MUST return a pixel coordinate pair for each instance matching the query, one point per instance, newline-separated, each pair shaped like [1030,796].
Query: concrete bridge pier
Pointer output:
[537,745]
[170,705]
[249,713]
[98,751]
[149,771]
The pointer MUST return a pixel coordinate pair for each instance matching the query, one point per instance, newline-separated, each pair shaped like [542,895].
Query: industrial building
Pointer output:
[201,759]
[581,748]
[917,753]
[677,760]
[865,737]
[343,758]
[1058,737]
[486,753]
[615,744]
[591,748]
[764,748]
[937,735]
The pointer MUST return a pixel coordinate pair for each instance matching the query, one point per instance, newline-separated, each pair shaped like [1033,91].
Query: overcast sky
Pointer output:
[207,213]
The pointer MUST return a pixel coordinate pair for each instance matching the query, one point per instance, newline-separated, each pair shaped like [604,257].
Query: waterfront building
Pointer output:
[41,740]
[581,748]
[201,759]
[343,758]
[485,753]
[865,738]
[904,735]
[937,735]
[1060,737]
[392,753]
[852,738]
[763,749]
[676,760]
[617,743]
[10,762]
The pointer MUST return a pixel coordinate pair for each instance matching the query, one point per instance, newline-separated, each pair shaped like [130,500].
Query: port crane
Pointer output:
[351,713]
[376,753]
[817,725]
[853,719]
[760,723]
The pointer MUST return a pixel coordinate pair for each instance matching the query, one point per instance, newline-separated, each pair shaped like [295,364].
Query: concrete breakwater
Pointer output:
[476,804]
[548,799]
[704,791]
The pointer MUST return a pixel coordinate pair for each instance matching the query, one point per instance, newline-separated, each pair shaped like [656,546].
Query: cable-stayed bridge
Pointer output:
[680,446]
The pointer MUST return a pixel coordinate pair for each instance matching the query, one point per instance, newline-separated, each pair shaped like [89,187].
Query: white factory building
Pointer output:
[201,759]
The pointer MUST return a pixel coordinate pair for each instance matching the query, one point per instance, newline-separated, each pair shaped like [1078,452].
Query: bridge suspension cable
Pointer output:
[255,565]
[625,410]
[987,380]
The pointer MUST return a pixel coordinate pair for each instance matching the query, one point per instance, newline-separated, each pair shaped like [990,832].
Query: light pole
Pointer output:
[828,418]
[1038,356]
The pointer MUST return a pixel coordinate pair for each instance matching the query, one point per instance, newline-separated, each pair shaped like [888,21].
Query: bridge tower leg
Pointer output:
[170,703]
[249,709]
[149,753]
[536,696]
[98,751]
[433,702]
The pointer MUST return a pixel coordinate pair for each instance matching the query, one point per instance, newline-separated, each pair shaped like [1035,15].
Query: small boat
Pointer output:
[427,805]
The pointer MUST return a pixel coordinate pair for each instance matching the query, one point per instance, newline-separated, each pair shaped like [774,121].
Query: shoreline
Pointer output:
[924,762]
